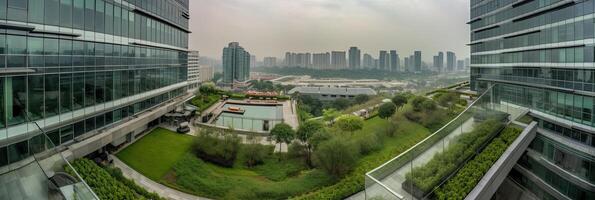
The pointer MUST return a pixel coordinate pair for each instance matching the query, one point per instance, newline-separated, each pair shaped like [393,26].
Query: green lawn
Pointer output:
[156,153]
[208,180]
[165,156]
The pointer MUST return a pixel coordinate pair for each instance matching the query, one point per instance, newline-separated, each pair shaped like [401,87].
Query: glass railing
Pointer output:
[417,172]
[45,174]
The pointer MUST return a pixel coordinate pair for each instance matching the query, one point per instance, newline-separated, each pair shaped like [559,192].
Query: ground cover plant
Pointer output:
[467,177]
[106,186]
[420,180]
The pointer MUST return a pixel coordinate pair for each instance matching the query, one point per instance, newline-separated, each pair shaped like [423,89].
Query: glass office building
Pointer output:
[75,67]
[540,55]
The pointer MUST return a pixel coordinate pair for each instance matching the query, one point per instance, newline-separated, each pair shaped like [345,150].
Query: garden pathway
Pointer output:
[151,185]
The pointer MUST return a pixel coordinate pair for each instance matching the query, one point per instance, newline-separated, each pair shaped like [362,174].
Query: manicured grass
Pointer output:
[166,157]
[205,179]
[156,153]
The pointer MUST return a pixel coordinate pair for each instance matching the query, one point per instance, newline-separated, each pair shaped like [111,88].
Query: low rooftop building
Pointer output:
[332,93]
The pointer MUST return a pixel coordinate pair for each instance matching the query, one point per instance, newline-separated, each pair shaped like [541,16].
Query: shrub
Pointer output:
[349,123]
[465,180]
[103,184]
[336,156]
[297,150]
[425,177]
[217,148]
[254,154]
[369,144]
[117,174]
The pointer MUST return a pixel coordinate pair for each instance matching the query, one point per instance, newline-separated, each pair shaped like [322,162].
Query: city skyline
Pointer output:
[274,29]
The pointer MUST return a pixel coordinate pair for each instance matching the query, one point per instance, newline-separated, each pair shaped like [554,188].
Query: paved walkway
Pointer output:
[151,185]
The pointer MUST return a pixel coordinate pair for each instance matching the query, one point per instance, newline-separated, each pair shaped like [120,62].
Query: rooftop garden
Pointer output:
[471,173]
[108,182]
[326,158]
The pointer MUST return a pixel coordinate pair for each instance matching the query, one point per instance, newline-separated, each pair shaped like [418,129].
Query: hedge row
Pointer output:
[103,184]
[465,180]
[422,179]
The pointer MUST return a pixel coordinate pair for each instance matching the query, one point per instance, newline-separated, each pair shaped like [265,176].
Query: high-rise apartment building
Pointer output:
[383,60]
[368,61]
[236,63]
[270,61]
[355,58]
[338,60]
[406,64]
[252,61]
[321,60]
[546,64]
[417,61]
[439,62]
[451,61]
[206,73]
[460,65]
[394,61]
[193,70]
[86,72]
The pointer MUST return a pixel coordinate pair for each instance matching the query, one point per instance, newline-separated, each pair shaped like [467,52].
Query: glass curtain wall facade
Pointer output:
[541,54]
[76,66]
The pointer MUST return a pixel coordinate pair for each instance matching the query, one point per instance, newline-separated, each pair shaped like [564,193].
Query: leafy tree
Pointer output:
[305,133]
[330,114]
[386,110]
[254,154]
[362,98]
[429,105]
[349,123]
[417,103]
[341,103]
[207,88]
[399,100]
[282,133]
[319,137]
[217,147]
[315,105]
[336,156]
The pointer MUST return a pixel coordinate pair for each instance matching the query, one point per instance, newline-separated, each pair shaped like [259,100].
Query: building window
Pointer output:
[66,13]
[52,12]
[18,151]
[17,10]
[36,11]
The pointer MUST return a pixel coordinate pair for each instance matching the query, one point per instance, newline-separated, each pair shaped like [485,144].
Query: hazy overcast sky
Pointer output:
[272,27]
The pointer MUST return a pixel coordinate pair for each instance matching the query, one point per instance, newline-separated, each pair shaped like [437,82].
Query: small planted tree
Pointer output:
[386,110]
[336,156]
[399,100]
[305,132]
[349,123]
[282,133]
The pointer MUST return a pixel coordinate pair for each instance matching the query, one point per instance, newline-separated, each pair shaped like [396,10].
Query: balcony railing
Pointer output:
[44,175]
[417,172]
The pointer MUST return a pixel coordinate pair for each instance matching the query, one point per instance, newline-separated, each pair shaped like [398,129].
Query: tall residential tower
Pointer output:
[236,63]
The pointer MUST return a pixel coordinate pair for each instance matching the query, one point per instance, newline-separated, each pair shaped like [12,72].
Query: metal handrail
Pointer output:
[368,174]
